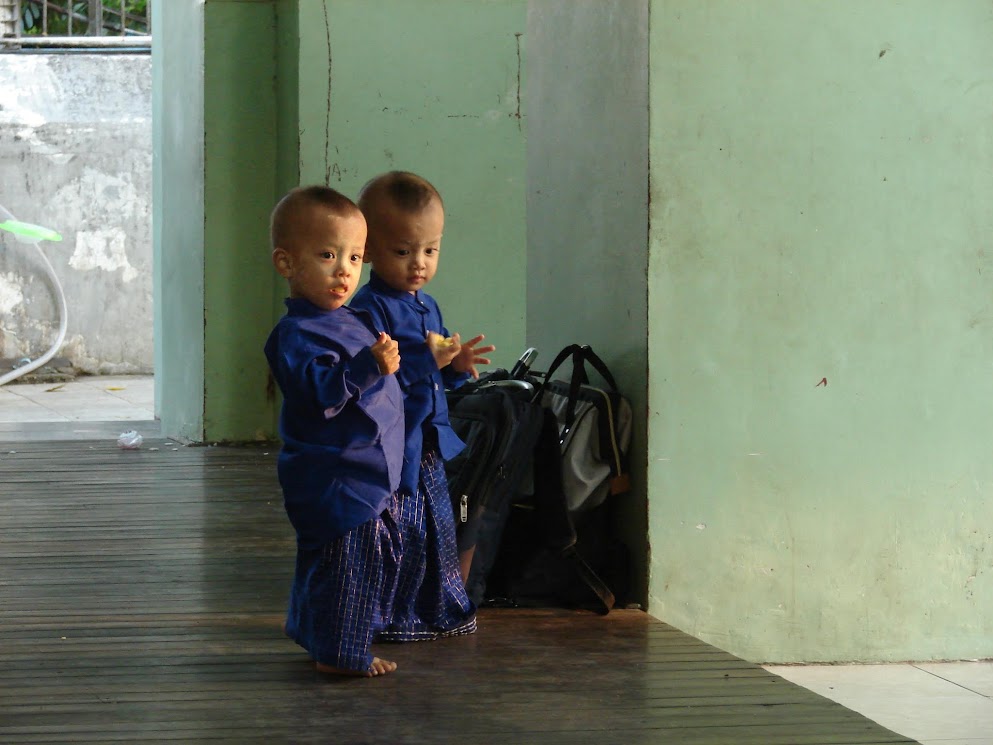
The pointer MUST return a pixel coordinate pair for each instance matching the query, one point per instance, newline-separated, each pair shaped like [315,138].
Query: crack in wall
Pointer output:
[517,113]
[327,114]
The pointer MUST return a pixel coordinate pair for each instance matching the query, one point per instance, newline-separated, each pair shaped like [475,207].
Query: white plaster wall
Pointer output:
[76,156]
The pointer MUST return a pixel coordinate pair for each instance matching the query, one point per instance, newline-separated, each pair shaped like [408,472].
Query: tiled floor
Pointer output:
[85,399]
[948,703]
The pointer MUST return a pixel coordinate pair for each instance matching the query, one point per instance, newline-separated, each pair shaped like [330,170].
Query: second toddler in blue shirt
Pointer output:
[406,217]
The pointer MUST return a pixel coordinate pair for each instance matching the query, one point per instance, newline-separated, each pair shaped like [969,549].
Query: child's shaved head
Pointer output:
[405,219]
[406,191]
[291,215]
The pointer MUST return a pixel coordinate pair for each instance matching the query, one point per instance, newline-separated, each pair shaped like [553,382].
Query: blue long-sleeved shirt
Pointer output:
[407,318]
[341,421]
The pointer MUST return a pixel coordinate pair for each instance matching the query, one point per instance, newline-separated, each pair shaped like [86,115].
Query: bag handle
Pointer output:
[561,357]
[599,365]
[580,355]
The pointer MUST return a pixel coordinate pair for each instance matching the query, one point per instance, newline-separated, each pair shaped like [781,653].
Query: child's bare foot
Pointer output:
[381,667]
[378,667]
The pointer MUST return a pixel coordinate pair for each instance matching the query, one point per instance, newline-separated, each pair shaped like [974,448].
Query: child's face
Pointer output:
[325,262]
[403,247]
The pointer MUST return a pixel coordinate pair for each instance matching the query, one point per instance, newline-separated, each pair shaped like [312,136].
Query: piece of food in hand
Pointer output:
[440,341]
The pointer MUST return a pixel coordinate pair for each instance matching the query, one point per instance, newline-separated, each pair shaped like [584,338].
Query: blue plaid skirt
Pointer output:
[430,601]
[342,594]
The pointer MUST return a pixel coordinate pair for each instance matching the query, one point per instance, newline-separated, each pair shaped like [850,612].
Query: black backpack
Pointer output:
[499,422]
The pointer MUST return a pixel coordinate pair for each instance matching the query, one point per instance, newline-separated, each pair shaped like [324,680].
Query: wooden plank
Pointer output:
[141,595]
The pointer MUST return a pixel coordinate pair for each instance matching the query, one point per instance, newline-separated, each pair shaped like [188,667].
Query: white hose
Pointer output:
[63,311]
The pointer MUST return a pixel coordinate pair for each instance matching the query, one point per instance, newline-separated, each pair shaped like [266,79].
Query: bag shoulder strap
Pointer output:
[591,579]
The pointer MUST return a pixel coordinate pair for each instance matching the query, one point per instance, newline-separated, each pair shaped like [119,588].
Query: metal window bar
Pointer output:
[66,22]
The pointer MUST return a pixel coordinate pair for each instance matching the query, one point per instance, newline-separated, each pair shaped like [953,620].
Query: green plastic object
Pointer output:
[28,230]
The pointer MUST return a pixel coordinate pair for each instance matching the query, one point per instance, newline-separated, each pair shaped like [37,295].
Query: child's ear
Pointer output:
[283,261]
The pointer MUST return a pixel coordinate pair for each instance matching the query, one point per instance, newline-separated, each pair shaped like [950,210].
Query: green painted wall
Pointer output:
[436,87]
[241,163]
[822,182]
[287,163]
[287,82]
[177,204]
[237,118]
[587,206]
[221,155]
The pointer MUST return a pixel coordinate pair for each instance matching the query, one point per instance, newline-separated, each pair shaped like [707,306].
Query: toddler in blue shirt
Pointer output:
[406,217]
[342,430]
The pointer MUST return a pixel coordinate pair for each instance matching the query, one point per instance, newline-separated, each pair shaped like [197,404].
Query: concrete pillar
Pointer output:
[10,14]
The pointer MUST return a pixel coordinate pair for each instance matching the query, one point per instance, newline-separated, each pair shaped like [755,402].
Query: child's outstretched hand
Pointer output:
[387,354]
[444,350]
[469,356]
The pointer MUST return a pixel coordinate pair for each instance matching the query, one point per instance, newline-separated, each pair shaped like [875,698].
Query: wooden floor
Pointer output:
[141,596]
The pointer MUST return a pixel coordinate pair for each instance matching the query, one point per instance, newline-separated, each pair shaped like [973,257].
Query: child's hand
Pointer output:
[387,354]
[444,350]
[469,356]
